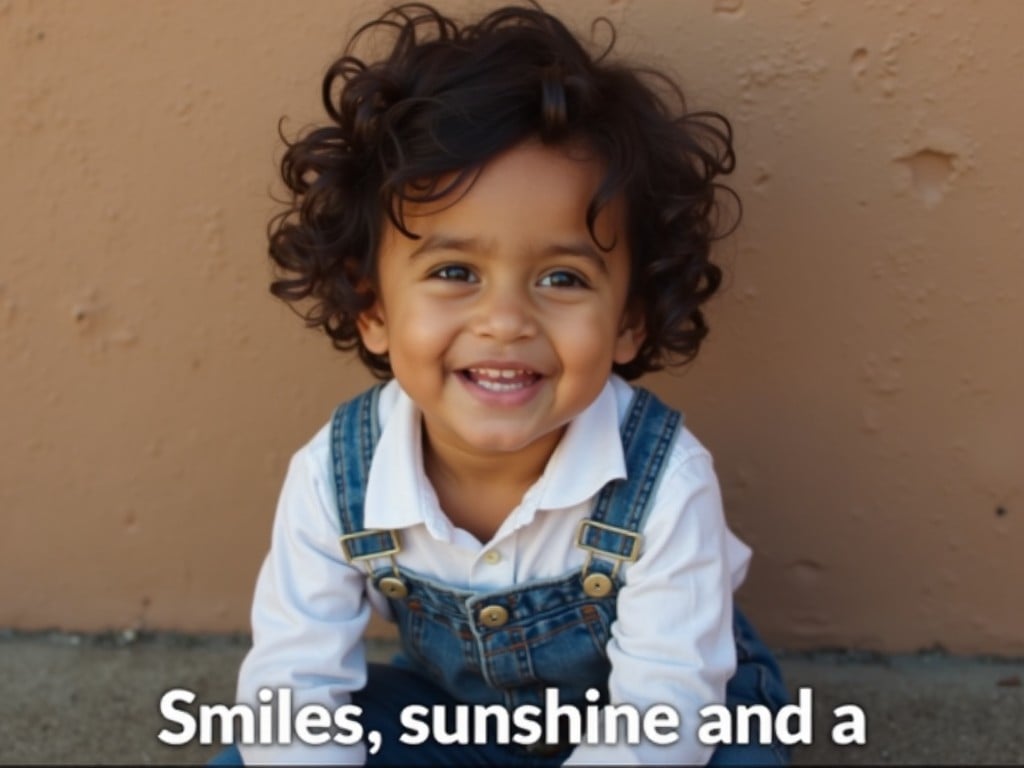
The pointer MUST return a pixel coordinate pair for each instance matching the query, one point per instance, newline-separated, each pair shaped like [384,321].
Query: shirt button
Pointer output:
[494,616]
[492,557]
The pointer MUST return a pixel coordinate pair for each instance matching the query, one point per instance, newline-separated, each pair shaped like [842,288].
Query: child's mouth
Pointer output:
[501,379]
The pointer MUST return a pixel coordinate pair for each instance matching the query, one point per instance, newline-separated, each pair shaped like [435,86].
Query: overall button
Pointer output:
[494,616]
[493,557]
[392,586]
[597,585]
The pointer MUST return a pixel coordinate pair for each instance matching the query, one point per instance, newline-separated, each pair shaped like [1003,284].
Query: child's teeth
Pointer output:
[501,379]
[495,373]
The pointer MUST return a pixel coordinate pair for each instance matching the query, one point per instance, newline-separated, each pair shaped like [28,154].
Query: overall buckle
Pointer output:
[598,584]
[393,585]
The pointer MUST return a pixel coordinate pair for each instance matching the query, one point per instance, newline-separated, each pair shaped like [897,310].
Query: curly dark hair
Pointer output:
[446,99]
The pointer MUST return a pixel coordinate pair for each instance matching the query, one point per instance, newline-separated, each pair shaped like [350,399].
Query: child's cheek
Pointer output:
[586,339]
[426,327]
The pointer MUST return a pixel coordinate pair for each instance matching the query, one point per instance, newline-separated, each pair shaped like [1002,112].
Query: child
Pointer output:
[506,229]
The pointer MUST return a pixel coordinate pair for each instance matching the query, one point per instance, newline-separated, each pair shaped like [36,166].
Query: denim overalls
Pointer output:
[507,646]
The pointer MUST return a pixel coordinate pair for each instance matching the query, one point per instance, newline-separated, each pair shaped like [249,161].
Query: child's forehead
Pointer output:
[535,184]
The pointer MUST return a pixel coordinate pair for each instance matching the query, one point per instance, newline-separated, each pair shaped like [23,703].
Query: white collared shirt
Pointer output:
[671,643]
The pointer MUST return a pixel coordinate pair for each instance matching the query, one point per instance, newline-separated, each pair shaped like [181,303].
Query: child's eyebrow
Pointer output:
[442,242]
[582,248]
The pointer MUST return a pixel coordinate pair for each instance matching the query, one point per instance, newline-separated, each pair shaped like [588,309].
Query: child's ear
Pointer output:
[373,329]
[631,338]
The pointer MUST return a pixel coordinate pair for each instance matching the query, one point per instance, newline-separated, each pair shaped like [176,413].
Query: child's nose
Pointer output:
[505,314]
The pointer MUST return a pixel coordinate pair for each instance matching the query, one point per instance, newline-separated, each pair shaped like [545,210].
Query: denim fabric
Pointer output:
[390,688]
[757,680]
[555,637]
[550,634]
[555,633]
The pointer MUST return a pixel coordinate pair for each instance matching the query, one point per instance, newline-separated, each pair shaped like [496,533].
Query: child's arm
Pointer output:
[308,616]
[672,641]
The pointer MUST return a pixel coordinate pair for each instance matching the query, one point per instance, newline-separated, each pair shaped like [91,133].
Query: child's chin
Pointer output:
[504,441]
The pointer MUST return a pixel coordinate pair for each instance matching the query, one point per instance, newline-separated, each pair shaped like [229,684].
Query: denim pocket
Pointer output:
[567,648]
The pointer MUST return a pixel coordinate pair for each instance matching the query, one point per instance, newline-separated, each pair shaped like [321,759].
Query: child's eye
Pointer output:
[455,272]
[563,279]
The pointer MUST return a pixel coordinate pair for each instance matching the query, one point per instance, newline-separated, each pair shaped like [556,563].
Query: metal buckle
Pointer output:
[344,540]
[634,550]
[365,559]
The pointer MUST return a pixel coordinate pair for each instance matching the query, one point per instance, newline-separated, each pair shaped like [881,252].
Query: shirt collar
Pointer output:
[587,457]
[398,494]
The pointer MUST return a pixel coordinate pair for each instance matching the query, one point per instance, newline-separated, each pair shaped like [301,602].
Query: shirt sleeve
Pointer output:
[308,617]
[672,641]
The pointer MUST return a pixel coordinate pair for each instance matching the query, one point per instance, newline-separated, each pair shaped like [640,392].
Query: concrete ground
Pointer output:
[69,699]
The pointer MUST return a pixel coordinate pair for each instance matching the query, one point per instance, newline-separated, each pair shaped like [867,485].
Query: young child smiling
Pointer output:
[495,319]
[507,229]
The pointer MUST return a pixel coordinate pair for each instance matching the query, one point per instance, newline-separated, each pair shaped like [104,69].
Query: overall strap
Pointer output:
[613,528]
[355,430]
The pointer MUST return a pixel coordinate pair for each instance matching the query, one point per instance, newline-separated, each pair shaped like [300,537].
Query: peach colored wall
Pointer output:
[862,388]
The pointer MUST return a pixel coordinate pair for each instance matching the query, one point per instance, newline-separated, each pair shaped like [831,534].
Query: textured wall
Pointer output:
[861,389]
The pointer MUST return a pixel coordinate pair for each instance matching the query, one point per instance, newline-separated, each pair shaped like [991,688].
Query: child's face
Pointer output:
[503,320]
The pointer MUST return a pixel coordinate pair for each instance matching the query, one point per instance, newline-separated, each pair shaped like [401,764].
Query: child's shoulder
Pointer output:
[315,456]
[685,449]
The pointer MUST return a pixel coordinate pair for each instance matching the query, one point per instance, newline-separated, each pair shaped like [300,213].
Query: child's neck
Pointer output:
[478,491]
